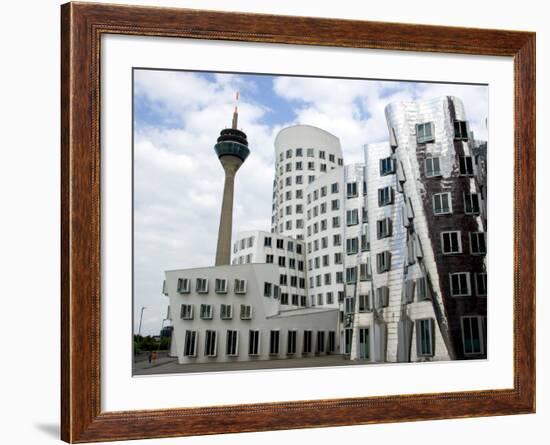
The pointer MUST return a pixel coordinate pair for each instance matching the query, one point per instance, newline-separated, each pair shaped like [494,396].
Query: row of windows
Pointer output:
[243,244]
[298,180]
[220,286]
[293,282]
[352,244]
[425,132]
[310,152]
[432,166]
[206,312]
[281,261]
[288,226]
[280,244]
[443,204]
[451,242]
[299,166]
[461,284]
[294,299]
[318,342]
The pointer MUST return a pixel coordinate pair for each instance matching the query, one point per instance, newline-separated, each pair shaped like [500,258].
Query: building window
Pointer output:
[473,338]
[471,204]
[330,298]
[283,279]
[349,305]
[221,286]
[451,242]
[299,152]
[461,130]
[303,299]
[291,343]
[319,299]
[310,152]
[466,165]
[299,179]
[383,261]
[288,167]
[226,312]
[421,289]
[351,189]
[240,285]
[352,217]
[351,275]
[184,285]
[310,179]
[274,337]
[477,243]
[335,222]
[432,167]
[299,165]
[339,277]
[320,344]
[364,271]
[311,165]
[269,258]
[481,284]
[267,241]
[365,303]
[300,265]
[186,312]
[206,312]
[190,347]
[348,335]
[364,215]
[334,188]
[337,258]
[387,166]
[308,337]
[383,228]
[382,296]
[460,284]
[351,246]
[425,337]
[282,261]
[442,203]
[335,204]
[425,132]
[253,342]
[340,161]
[331,158]
[268,289]
[202,285]
[284,298]
[246,312]
[232,343]
[365,243]
[385,196]
[210,343]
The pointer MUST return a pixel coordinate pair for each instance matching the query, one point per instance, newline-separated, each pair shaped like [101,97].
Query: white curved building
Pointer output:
[302,154]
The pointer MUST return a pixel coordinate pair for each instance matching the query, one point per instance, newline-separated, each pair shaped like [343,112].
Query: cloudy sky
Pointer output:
[178,179]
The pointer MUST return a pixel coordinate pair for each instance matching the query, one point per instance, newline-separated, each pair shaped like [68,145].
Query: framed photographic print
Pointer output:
[274,222]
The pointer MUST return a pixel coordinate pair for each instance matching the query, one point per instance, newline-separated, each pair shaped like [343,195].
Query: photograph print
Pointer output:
[288,221]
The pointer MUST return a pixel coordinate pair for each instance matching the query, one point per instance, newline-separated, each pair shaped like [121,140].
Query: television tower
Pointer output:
[232,150]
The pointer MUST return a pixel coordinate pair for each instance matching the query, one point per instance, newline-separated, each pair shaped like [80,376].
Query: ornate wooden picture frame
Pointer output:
[82,27]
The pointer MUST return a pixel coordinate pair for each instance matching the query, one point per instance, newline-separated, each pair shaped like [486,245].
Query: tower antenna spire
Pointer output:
[236,112]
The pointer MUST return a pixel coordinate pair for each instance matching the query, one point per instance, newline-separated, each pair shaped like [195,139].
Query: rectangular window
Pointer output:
[284,298]
[331,341]
[422,289]
[299,165]
[383,228]
[466,165]
[351,275]
[365,303]
[383,261]
[246,312]
[240,285]
[184,285]
[330,297]
[460,284]
[269,258]
[471,203]
[207,312]
[299,152]
[442,203]
[221,286]
[210,343]
[451,242]
[320,344]
[424,337]
[386,166]
[232,343]
[461,130]
[334,188]
[477,243]
[335,204]
[310,152]
[385,196]
[425,132]
[190,347]
[339,277]
[202,285]
[307,345]
[365,243]
[352,246]
[351,189]
[337,258]
[274,342]
[382,296]
[226,312]
[481,284]
[267,241]
[282,261]
[268,289]
[283,279]
[364,271]
[253,342]
[291,343]
[186,312]
[349,305]
[432,167]
[473,335]
[352,217]
[348,335]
